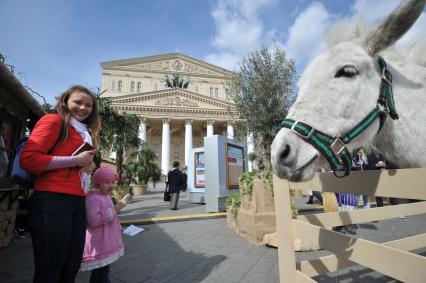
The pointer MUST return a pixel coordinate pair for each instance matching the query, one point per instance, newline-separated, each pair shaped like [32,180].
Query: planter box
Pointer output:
[139,190]
[256,216]
[255,220]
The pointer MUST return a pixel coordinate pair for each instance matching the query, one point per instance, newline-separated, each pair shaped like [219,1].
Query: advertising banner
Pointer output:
[199,170]
[234,165]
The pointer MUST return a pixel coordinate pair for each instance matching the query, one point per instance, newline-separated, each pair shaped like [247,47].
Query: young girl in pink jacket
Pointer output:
[104,243]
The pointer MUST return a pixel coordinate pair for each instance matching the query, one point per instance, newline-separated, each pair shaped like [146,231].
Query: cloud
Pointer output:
[239,30]
[371,11]
[306,35]
[227,60]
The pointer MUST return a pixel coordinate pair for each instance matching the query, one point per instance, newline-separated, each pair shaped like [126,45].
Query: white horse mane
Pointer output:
[349,30]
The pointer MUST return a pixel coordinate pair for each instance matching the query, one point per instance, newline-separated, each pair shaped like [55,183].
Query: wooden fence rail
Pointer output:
[392,258]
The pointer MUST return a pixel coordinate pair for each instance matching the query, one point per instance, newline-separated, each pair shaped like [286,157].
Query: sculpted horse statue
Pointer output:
[359,92]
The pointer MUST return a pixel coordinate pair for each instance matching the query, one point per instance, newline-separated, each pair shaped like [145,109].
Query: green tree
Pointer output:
[176,82]
[119,132]
[144,168]
[262,90]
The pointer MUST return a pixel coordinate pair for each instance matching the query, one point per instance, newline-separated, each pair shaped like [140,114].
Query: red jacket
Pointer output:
[39,151]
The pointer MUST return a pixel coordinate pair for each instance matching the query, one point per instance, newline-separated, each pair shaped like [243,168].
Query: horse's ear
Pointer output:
[394,26]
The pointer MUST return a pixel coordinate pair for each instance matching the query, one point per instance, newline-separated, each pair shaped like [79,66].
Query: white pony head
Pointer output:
[338,89]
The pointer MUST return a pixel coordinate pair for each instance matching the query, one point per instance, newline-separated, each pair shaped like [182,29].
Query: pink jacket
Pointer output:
[104,243]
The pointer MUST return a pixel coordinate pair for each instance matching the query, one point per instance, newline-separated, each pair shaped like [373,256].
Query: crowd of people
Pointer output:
[348,202]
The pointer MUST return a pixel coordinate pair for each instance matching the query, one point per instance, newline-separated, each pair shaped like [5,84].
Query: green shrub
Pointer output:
[233,202]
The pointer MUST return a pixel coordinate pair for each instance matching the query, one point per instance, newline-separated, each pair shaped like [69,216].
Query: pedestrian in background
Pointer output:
[376,161]
[175,182]
[359,163]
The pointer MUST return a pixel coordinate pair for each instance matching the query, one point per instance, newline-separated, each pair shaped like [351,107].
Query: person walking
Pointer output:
[57,212]
[104,243]
[175,183]
[359,163]
[376,161]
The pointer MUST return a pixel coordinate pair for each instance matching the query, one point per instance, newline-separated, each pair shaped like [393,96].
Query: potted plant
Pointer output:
[262,91]
[143,169]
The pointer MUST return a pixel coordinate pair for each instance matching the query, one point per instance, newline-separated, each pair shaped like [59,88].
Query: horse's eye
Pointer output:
[346,71]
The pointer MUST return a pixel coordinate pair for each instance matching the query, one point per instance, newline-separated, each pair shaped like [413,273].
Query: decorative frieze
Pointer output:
[175,65]
[176,101]
[183,94]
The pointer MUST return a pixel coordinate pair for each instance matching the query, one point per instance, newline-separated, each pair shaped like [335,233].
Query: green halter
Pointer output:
[334,147]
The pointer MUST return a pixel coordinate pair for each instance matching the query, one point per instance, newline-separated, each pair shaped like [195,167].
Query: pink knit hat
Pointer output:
[104,175]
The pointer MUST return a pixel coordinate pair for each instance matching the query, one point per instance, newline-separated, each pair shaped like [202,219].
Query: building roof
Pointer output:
[183,64]
[14,86]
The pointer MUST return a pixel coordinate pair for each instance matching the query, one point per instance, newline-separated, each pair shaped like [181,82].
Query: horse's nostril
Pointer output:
[285,153]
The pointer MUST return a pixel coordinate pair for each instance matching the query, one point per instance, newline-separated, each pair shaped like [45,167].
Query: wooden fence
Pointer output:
[392,258]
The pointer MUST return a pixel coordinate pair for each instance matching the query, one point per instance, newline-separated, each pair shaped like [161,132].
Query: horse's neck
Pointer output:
[403,141]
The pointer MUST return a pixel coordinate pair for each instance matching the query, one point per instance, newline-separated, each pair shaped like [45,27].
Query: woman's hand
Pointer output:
[89,169]
[85,158]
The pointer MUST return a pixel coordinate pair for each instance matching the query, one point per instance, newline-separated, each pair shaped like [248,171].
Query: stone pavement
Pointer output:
[202,250]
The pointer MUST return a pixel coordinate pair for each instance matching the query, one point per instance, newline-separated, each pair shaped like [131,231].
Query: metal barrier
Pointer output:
[392,258]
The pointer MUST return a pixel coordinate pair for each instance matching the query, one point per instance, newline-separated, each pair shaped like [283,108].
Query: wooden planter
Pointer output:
[139,190]
[256,216]
[255,220]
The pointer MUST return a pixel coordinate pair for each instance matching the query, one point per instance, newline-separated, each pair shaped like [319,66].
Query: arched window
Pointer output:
[120,85]
[216,92]
[132,87]
[211,92]
[139,87]
[155,86]
[113,85]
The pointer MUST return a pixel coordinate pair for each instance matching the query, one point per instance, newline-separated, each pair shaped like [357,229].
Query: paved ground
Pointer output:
[202,250]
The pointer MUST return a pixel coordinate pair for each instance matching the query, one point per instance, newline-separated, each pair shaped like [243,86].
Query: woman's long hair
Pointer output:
[93,121]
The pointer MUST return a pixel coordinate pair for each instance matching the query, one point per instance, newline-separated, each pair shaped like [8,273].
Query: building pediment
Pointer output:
[172,98]
[168,64]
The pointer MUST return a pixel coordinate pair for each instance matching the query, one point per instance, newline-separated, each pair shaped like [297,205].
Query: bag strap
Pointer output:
[60,138]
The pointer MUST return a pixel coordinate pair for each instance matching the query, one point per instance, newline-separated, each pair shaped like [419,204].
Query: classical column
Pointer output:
[165,147]
[188,140]
[142,129]
[210,131]
[230,130]
[250,149]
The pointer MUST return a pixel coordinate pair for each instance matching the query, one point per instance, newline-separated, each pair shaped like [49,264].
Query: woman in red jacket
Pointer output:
[57,210]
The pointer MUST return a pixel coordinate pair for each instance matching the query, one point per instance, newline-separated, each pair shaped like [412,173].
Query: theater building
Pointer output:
[173,120]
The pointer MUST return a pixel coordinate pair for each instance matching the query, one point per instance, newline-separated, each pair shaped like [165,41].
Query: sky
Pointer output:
[54,44]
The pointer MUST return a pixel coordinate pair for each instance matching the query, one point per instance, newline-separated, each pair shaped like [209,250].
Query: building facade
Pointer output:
[173,120]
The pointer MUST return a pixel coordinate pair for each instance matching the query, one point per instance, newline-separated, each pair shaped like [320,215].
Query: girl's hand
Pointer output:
[119,206]
[85,158]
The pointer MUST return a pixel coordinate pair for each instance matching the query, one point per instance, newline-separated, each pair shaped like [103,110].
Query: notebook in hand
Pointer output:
[84,147]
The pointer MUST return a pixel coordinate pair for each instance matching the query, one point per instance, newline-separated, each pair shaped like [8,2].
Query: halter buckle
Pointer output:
[385,69]
[337,147]
[306,137]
